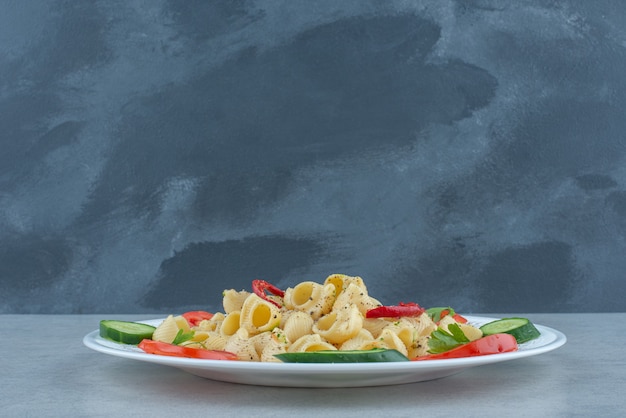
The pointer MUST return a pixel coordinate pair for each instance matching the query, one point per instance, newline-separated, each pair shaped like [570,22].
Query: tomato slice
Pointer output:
[166,349]
[491,344]
[195,317]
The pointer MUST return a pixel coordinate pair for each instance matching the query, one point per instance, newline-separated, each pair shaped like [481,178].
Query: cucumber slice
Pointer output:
[125,332]
[342,356]
[521,328]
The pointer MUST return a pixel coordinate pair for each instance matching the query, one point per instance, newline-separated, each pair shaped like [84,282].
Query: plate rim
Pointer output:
[93,341]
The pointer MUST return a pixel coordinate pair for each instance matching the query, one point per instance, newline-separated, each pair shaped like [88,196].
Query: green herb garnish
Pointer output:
[182,337]
[435,313]
[442,340]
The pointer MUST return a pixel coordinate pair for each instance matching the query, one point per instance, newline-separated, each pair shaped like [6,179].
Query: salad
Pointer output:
[335,321]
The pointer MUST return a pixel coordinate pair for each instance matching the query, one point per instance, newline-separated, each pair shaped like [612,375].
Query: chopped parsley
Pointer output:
[442,340]
[182,337]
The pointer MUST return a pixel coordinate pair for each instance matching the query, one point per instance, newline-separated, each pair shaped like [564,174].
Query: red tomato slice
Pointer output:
[491,344]
[165,349]
[195,317]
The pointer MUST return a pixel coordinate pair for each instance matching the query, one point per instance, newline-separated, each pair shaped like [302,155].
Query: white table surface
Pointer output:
[47,371]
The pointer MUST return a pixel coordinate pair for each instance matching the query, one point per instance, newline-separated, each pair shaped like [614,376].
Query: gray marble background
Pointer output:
[464,153]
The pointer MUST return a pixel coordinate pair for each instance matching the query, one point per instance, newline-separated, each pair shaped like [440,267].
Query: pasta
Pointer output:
[233,300]
[339,325]
[214,341]
[230,325]
[358,341]
[241,344]
[387,339]
[166,332]
[212,324]
[311,342]
[258,315]
[269,343]
[470,332]
[354,295]
[297,324]
[310,297]
[307,317]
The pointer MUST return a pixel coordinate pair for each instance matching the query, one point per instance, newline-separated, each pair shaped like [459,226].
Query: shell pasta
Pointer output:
[309,316]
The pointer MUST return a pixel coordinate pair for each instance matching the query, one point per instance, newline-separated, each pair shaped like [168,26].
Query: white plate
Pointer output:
[328,375]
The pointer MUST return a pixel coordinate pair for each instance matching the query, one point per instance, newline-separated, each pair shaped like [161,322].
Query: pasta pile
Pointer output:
[311,317]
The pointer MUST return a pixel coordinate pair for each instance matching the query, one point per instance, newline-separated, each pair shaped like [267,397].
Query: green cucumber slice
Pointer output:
[125,332]
[342,356]
[521,328]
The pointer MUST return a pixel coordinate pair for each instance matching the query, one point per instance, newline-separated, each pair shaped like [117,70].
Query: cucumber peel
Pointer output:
[343,356]
[125,332]
[521,328]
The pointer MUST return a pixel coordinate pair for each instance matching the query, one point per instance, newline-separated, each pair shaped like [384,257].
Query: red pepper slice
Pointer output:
[491,344]
[260,286]
[395,311]
[166,349]
[195,317]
